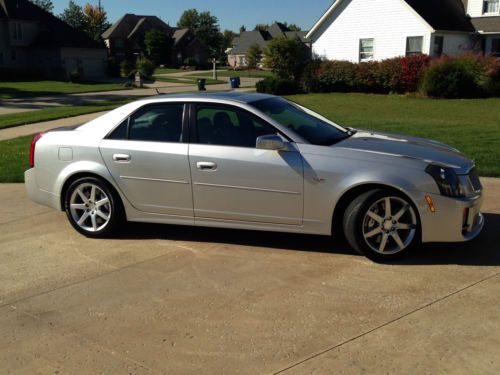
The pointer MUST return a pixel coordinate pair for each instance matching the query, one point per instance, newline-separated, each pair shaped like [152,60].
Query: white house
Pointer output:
[363,30]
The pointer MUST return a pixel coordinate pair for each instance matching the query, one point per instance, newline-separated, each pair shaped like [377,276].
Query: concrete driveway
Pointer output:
[165,299]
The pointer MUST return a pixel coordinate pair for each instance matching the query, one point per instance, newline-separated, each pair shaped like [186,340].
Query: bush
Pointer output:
[412,70]
[492,76]
[462,77]
[277,86]
[126,68]
[145,67]
[286,58]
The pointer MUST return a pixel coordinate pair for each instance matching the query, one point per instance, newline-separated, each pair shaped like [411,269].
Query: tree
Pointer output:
[144,67]
[261,27]
[254,55]
[286,57]
[243,29]
[293,27]
[205,27]
[73,15]
[158,46]
[44,4]
[96,21]
[227,39]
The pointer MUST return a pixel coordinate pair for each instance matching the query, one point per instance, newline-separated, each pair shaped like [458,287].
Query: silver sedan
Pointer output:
[257,162]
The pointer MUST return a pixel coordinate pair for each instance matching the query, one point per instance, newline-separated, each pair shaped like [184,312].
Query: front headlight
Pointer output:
[446,180]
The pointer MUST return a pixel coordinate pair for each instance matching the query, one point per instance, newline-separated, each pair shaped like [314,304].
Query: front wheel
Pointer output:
[92,207]
[382,225]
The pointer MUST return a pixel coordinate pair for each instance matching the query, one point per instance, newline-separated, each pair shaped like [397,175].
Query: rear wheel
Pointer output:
[92,207]
[382,225]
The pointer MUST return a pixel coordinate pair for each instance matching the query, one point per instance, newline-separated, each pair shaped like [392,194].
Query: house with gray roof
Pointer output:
[125,40]
[363,30]
[242,43]
[34,42]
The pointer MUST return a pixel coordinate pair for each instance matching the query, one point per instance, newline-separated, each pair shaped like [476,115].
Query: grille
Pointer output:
[474,179]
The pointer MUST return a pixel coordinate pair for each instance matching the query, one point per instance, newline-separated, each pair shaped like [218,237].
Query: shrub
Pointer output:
[492,76]
[366,77]
[277,86]
[461,77]
[145,67]
[337,76]
[126,68]
[113,68]
[412,70]
[286,58]
[387,75]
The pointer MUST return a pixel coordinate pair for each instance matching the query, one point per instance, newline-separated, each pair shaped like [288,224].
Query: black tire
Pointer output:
[94,225]
[383,238]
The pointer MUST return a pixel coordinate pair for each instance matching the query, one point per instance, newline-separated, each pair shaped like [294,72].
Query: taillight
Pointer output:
[32,149]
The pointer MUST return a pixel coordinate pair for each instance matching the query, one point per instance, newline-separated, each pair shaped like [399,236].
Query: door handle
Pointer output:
[206,166]
[121,158]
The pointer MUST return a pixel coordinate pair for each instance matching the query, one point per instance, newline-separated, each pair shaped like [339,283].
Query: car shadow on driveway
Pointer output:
[483,251]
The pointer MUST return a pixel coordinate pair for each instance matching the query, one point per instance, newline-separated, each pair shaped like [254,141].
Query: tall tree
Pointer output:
[205,27]
[227,39]
[44,4]
[286,57]
[157,46]
[293,27]
[96,21]
[73,15]
[243,28]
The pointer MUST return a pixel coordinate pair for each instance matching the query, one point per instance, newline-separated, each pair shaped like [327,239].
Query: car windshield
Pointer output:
[311,126]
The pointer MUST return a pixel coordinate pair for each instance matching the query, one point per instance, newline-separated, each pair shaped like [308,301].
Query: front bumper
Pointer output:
[38,195]
[455,219]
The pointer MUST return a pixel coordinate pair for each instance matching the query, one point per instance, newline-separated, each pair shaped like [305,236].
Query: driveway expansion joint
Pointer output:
[390,322]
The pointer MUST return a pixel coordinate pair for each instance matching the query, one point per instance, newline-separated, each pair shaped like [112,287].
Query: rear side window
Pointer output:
[159,123]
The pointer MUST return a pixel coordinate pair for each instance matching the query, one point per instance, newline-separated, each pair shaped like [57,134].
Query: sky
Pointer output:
[231,13]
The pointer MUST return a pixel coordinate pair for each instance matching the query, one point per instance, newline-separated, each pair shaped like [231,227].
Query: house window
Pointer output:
[495,47]
[13,54]
[438,45]
[414,45]
[366,49]
[491,6]
[17,31]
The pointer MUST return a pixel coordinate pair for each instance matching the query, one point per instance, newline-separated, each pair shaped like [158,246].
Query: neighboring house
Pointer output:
[125,40]
[237,54]
[364,30]
[34,41]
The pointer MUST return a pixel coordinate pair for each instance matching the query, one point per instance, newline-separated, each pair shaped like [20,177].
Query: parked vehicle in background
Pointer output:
[259,162]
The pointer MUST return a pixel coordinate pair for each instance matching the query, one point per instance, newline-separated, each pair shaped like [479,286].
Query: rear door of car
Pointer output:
[147,156]
[232,179]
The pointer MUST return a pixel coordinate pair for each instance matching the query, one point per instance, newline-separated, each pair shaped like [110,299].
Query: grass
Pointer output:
[48,114]
[14,159]
[168,70]
[12,90]
[472,126]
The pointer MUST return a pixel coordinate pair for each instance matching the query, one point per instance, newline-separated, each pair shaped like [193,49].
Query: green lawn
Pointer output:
[472,126]
[14,159]
[48,114]
[12,90]
[168,70]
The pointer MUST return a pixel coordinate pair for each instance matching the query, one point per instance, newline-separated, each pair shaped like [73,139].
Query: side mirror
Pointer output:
[270,142]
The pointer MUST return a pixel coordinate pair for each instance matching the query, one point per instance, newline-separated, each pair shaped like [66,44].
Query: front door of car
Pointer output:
[148,160]
[232,179]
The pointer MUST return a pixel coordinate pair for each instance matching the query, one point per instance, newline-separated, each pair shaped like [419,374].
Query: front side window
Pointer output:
[414,45]
[158,123]
[366,48]
[311,126]
[491,6]
[229,126]
[17,31]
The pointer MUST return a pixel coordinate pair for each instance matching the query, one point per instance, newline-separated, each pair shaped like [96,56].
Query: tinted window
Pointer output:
[309,125]
[159,123]
[229,126]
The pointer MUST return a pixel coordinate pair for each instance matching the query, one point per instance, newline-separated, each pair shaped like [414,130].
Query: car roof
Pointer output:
[241,97]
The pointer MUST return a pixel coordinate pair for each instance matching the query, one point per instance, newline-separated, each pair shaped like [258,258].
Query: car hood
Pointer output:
[408,147]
